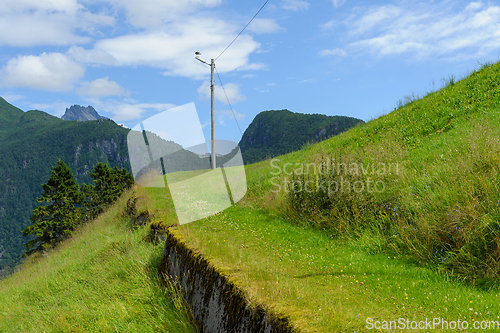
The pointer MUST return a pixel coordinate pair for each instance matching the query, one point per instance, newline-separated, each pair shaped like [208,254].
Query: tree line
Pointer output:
[66,204]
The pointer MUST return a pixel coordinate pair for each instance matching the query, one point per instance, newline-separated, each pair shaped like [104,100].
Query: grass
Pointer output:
[425,246]
[103,279]
[323,284]
[444,196]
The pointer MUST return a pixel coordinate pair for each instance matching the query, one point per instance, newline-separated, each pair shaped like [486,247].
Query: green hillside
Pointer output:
[274,133]
[417,235]
[433,166]
[8,115]
[32,142]
[103,279]
[396,218]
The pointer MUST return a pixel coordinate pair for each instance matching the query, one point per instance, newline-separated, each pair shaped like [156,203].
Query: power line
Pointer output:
[243,29]
[222,85]
[234,116]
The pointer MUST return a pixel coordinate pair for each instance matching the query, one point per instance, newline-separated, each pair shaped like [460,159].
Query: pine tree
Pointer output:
[123,179]
[100,196]
[107,188]
[89,210]
[63,212]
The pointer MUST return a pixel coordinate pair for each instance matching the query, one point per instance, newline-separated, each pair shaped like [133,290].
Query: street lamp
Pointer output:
[212,67]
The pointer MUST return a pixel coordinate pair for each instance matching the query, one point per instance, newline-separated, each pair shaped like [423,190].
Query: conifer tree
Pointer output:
[123,180]
[107,188]
[89,211]
[61,214]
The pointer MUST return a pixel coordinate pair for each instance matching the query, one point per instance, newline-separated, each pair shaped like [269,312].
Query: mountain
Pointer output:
[8,115]
[81,113]
[33,141]
[274,133]
[30,144]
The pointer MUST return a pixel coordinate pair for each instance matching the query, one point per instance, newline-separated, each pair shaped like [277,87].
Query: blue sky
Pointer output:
[131,59]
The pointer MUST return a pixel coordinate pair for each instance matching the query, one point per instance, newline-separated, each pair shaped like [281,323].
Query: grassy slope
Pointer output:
[343,260]
[324,285]
[325,272]
[103,279]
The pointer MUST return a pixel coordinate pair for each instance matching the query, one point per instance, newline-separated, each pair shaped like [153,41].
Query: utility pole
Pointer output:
[212,87]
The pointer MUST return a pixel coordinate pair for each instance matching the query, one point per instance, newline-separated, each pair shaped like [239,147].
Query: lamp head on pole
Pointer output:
[197,56]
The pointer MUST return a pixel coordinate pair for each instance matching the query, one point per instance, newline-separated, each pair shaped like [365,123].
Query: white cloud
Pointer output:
[229,113]
[45,22]
[65,6]
[423,30]
[11,97]
[173,49]
[128,109]
[55,108]
[264,26]
[49,71]
[329,25]
[338,3]
[222,115]
[267,47]
[295,5]
[334,52]
[124,111]
[169,33]
[31,30]
[153,13]
[255,66]
[102,87]
[91,56]
[474,5]
[232,90]
[378,16]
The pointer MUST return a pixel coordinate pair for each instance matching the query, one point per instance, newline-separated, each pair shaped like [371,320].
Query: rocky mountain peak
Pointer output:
[81,113]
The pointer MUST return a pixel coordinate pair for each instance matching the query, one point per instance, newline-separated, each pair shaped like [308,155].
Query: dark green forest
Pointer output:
[274,133]
[32,143]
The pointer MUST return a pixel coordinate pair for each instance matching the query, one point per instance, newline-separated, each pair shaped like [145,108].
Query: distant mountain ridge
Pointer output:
[81,113]
[30,144]
[278,132]
[8,114]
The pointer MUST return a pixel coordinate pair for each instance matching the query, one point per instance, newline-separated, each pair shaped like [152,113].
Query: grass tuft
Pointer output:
[102,279]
